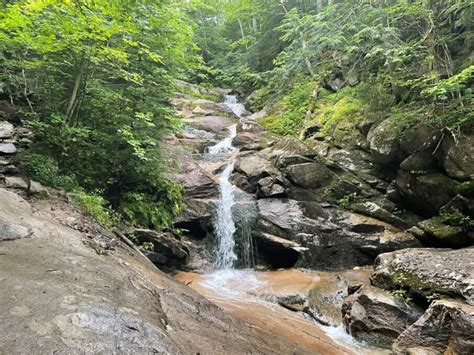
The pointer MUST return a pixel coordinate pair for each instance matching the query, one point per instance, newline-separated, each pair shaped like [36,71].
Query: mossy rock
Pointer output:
[441,234]
[466,188]
[427,273]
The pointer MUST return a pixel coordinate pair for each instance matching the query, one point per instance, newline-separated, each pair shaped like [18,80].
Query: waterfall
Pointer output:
[225,228]
[237,108]
[225,145]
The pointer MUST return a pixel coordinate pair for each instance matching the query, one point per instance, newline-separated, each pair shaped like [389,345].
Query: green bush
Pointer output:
[258,99]
[149,210]
[96,206]
[45,170]
[338,112]
[346,201]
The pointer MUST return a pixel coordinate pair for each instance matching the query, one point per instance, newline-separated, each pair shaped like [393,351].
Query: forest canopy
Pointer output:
[93,78]
[415,57]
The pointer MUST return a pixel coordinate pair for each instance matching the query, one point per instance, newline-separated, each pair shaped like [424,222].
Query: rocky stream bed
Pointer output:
[373,206]
[336,247]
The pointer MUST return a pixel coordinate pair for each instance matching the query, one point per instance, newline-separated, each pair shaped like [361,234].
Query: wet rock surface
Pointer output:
[334,239]
[376,316]
[293,303]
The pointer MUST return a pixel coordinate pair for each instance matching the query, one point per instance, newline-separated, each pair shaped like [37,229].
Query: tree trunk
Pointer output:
[254,24]
[241,29]
[75,89]
[307,61]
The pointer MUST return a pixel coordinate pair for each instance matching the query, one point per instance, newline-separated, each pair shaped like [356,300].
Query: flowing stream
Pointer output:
[251,295]
[224,224]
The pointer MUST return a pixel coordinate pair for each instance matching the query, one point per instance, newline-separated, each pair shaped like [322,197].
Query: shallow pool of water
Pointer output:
[251,295]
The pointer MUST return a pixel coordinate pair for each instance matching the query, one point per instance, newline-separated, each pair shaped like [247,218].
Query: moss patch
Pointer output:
[289,114]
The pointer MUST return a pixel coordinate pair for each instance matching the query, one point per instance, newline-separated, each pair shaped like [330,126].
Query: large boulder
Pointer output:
[249,135]
[419,161]
[384,143]
[197,182]
[458,156]
[309,175]
[270,187]
[421,137]
[447,327]
[427,193]
[377,317]
[214,124]
[289,146]
[427,273]
[355,160]
[334,239]
[254,166]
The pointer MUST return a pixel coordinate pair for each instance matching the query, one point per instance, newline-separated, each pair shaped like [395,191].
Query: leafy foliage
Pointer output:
[458,219]
[408,59]
[294,108]
[95,79]
[45,170]
[96,206]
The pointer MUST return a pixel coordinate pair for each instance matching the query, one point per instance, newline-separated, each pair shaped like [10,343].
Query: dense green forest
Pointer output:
[329,61]
[93,79]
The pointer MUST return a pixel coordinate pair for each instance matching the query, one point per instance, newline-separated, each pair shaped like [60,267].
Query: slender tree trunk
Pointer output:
[242,33]
[254,24]
[75,89]
[306,60]
[205,35]
[241,29]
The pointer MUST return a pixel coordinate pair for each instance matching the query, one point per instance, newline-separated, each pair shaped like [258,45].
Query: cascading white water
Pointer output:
[225,145]
[224,223]
[237,108]
[225,226]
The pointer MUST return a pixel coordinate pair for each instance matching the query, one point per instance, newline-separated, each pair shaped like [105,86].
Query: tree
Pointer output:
[96,77]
